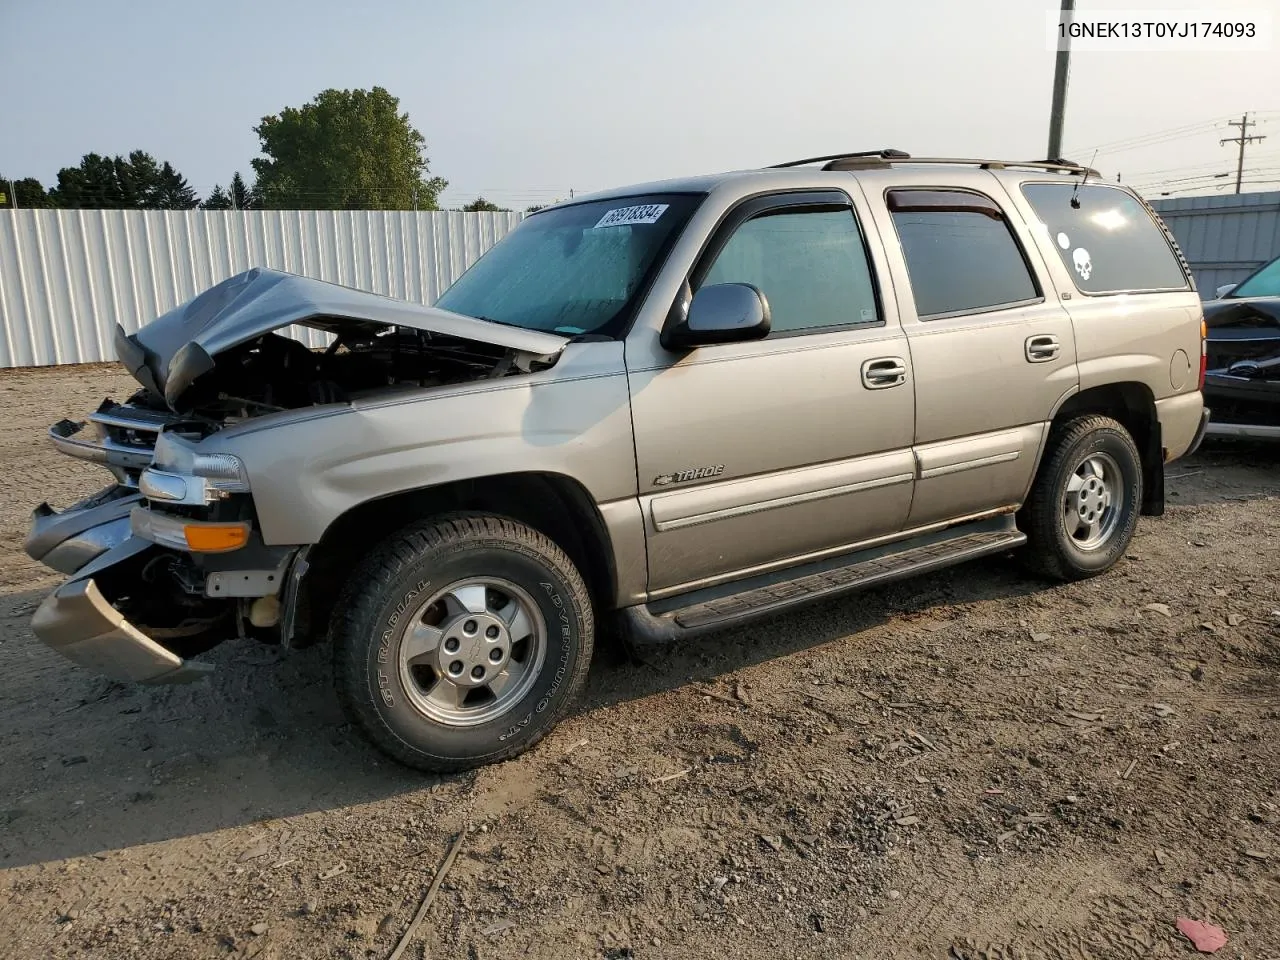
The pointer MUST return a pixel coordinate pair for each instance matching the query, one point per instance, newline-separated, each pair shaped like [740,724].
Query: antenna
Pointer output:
[1075,194]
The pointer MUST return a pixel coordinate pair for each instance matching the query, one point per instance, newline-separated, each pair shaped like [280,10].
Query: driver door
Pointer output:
[764,454]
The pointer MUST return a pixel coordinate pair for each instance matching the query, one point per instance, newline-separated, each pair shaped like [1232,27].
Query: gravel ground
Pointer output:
[972,765]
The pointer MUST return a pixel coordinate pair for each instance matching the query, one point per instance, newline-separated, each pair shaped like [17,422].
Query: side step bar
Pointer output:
[715,608]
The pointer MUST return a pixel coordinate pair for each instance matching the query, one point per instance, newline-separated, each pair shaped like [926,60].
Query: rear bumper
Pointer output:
[78,622]
[1200,433]
[1182,420]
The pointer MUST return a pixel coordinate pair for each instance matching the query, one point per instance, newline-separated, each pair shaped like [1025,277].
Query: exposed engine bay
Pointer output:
[273,372]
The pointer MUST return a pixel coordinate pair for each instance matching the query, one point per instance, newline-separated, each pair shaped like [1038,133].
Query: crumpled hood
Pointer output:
[169,353]
[1241,311]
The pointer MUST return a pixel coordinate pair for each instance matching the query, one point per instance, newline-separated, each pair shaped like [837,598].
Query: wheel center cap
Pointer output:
[474,648]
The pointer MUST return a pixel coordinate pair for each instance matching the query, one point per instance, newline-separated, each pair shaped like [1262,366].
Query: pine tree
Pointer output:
[217,199]
[242,196]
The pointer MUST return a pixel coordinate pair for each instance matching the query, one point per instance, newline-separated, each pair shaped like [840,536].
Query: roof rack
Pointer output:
[886,154]
[880,159]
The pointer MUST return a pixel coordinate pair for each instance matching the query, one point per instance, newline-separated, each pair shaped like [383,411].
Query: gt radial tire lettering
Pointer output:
[384,646]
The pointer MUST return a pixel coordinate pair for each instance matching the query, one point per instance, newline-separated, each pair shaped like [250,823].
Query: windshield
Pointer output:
[574,270]
[1264,283]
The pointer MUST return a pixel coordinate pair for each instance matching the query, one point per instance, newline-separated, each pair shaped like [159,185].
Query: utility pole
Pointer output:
[1060,70]
[1244,123]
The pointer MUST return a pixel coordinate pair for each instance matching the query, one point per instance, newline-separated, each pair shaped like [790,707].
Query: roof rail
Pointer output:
[886,154]
[871,159]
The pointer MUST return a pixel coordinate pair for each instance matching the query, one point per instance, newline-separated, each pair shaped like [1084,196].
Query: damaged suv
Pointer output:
[675,407]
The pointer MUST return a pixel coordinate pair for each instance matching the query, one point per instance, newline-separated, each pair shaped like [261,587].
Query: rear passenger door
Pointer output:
[993,352]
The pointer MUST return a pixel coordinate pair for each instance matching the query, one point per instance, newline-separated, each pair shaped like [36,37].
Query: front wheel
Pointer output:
[462,641]
[1083,509]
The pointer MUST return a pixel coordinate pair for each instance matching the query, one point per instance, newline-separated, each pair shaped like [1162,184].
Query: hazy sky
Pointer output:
[522,101]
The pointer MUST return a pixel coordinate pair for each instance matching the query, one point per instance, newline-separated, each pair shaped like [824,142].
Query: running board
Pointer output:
[715,608]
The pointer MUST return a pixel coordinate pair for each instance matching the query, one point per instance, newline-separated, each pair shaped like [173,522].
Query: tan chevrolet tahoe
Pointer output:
[670,407]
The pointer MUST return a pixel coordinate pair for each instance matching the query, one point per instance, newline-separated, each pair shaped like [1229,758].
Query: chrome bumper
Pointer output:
[118,436]
[78,622]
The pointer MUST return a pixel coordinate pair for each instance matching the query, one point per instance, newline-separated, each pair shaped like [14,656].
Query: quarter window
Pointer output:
[811,267]
[961,255]
[1108,243]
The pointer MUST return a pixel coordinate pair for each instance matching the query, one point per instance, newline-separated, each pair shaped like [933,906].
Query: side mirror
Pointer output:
[1223,290]
[720,313]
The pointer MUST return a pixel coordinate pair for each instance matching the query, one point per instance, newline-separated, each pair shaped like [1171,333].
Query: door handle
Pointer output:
[1042,348]
[884,372]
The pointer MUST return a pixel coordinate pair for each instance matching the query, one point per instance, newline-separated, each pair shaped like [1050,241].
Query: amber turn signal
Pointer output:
[216,537]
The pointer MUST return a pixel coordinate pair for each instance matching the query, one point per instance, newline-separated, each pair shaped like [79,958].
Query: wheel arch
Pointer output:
[1133,405]
[555,504]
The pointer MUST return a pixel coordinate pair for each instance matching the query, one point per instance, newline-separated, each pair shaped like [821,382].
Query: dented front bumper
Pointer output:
[88,541]
[78,622]
[67,540]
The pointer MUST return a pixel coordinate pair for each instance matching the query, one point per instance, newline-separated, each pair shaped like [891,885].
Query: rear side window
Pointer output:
[961,255]
[1108,243]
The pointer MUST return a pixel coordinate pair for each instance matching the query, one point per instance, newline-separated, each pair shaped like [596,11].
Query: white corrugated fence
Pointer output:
[67,277]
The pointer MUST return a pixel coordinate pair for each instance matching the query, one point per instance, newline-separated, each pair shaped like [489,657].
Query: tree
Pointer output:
[113,183]
[237,196]
[242,197]
[345,150]
[27,192]
[218,199]
[91,184]
[535,208]
[481,205]
[172,192]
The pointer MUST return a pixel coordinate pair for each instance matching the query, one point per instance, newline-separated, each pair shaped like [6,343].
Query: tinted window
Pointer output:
[1110,244]
[811,267]
[959,260]
[574,269]
[1264,283]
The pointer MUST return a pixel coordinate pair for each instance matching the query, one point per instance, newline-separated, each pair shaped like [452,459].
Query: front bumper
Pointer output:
[69,539]
[78,622]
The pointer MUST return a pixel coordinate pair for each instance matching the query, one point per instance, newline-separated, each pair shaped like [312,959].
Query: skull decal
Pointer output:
[1084,265]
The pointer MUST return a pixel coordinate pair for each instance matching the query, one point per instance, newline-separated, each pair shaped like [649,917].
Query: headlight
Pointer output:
[209,477]
[221,472]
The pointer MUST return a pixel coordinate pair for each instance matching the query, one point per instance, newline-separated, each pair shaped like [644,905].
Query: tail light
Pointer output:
[1204,351]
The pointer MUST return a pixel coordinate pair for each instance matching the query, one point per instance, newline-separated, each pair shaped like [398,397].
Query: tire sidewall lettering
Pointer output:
[387,642]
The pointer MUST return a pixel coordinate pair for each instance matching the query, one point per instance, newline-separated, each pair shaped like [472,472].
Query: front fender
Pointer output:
[573,420]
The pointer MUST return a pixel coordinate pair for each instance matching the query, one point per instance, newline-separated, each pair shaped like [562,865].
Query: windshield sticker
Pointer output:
[1084,263]
[1064,241]
[632,216]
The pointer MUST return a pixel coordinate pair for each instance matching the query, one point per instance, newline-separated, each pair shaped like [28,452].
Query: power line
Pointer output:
[1149,139]
[1202,178]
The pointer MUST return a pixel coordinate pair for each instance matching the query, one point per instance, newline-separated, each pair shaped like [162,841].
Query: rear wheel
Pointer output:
[1084,507]
[462,641]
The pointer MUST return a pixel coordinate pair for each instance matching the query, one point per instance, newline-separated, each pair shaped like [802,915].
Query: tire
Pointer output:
[1078,451]
[408,702]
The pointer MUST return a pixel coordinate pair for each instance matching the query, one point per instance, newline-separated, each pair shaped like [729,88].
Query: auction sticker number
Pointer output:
[632,216]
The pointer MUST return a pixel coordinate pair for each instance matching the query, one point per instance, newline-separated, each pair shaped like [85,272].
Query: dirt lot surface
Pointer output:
[972,765]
